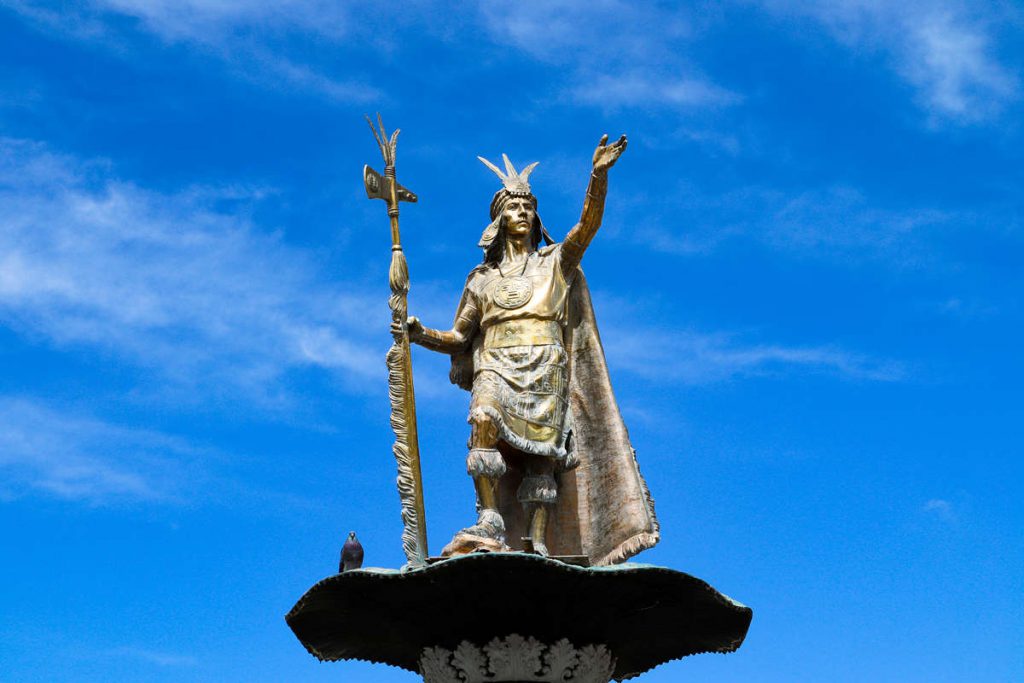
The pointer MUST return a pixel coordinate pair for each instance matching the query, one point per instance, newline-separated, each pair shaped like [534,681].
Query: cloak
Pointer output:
[604,509]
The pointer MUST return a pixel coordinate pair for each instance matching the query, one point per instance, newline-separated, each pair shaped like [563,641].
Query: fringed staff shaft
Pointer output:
[399,358]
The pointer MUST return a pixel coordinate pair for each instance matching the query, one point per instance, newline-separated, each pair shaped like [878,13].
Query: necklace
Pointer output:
[525,262]
[513,291]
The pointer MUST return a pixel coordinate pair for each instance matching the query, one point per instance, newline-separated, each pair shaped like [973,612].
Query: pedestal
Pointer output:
[517,617]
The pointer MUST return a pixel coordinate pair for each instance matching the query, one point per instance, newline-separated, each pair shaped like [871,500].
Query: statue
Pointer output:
[558,490]
[549,455]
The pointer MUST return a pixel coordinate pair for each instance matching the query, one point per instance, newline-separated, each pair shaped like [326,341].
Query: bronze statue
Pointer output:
[556,481]
[548,453]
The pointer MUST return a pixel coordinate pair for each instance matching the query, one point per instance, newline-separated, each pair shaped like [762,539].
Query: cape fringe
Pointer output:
[642,541]
[629,548]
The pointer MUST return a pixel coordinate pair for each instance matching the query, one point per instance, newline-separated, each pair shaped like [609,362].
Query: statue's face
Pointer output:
[519,215]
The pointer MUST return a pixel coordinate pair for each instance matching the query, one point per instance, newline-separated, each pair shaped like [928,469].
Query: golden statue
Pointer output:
[556,481]
[548,452]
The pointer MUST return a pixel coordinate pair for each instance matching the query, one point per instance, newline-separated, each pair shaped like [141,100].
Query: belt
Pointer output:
[524,332]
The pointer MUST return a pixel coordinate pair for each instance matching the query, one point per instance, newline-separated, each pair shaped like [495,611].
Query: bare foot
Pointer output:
[487,535]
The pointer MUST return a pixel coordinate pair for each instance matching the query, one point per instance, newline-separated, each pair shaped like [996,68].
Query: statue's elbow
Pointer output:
[462,343]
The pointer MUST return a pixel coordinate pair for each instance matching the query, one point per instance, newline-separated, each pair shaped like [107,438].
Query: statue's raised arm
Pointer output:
[578,239]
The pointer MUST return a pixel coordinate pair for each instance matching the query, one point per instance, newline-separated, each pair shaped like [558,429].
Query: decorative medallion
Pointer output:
[513,292]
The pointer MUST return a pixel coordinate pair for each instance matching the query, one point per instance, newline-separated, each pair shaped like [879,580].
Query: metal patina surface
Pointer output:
[644,615]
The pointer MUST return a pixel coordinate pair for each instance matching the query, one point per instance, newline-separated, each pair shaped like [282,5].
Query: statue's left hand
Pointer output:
[606,155]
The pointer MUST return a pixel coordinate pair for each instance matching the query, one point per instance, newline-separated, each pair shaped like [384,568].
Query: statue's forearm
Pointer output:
[578,239]
[444,341]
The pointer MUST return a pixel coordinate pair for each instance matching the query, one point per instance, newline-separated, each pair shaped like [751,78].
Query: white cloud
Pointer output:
[162,659]
[613,57]
[841,219]
[53,453]
[615,54]
[646,89]
[560,30]
[201,19]
[700,358]
[832,222]
[945,51]
[265,43]
[942,509]
[204,21]
[170,282]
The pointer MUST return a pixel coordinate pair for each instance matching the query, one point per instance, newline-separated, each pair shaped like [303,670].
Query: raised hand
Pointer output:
[606,155]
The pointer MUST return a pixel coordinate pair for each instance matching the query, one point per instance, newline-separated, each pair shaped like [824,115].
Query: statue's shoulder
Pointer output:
[479,275]
[549,249]
[481,269]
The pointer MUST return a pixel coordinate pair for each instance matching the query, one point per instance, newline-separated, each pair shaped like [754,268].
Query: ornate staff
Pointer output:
[400,388]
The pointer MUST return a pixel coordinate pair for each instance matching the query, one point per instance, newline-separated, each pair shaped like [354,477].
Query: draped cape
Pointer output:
[604,509]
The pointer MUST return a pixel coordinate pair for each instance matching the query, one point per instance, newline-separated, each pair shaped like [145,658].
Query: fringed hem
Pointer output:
[644,540]
[648,499]
[516,441]
[630,547]
[485,462]
[538,489]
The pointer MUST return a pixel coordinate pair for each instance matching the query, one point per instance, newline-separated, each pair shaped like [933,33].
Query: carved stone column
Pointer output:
[515,659]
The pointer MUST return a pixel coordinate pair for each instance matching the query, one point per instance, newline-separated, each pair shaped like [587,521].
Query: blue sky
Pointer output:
[808,284]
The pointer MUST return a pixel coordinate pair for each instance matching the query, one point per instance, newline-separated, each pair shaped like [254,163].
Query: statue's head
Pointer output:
[519,216]
[513,211]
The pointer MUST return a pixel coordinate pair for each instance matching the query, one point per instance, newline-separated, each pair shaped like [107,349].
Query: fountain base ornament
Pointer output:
[517,659]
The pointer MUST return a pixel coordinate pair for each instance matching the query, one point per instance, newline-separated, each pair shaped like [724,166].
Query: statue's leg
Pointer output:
[538,494]
[486,465]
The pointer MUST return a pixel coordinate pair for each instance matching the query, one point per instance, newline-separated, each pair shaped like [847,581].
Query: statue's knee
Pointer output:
[484,432]
[478,417]
[485,462]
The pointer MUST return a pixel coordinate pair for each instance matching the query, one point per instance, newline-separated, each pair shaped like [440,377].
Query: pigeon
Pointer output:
[351,554]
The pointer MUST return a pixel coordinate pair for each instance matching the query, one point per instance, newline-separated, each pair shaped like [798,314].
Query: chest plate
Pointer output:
[513,292]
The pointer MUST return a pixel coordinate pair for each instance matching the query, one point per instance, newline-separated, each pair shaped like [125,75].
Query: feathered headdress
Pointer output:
[516,184]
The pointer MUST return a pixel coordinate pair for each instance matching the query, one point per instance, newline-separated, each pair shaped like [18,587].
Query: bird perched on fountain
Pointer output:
[351,553]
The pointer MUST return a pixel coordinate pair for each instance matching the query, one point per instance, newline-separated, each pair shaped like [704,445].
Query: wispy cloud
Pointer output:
[692,357]
[940,508]
[946,51]
[201,21]
[614,58]
[162,659]
[261,42]
[832,222]
[206,20]
[47,451]
[177,283]
[641,88]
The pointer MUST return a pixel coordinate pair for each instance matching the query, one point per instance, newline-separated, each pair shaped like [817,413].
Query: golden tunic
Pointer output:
[520,366]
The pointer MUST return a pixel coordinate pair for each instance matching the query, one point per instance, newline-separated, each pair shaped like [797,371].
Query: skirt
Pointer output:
[524,389]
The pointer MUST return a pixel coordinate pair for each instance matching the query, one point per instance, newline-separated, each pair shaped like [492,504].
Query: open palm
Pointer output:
[606,155]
